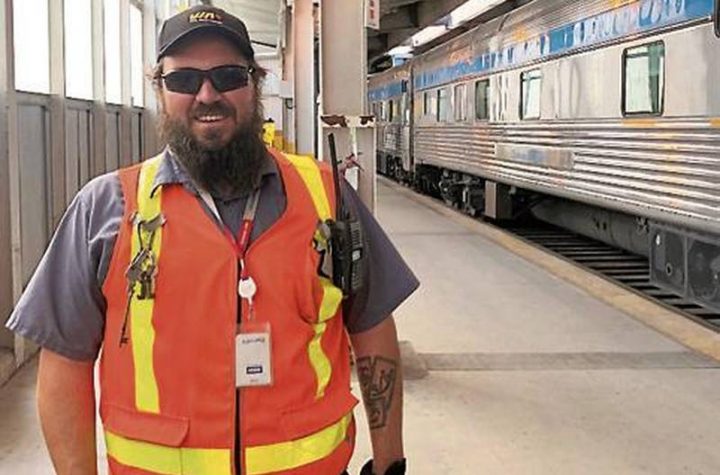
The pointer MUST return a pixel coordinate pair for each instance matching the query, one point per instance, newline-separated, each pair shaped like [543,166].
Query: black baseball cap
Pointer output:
[203,18]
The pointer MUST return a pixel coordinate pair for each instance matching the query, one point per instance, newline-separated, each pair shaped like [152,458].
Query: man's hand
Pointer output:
[66,402]
[377,357]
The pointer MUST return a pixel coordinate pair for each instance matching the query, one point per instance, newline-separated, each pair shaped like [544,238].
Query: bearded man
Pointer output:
[201,274]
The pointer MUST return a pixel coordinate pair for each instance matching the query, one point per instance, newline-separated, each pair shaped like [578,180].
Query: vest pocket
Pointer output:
[307,420]
[153,428]
[153,443]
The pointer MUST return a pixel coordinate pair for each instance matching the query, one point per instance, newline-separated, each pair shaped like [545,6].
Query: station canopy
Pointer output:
[400,21]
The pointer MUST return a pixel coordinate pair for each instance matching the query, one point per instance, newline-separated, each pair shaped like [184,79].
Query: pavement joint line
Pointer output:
[586,361]
[7,365]
[413,365]
[656,316]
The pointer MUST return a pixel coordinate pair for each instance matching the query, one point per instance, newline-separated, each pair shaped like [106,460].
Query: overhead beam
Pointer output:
[403,18]
[410,19]
[430,11]
[377,44]
[387,6]
[427,13]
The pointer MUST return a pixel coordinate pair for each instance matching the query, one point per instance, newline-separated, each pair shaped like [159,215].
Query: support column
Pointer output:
[303,27]
[150,137]
[343,56]
[60,197]
[7,342]
[99,113]
[125,138]
[287,86]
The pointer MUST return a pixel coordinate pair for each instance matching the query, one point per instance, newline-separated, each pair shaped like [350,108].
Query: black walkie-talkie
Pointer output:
[346,238]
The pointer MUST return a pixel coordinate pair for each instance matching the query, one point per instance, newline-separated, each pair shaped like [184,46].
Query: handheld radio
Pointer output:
[346,238]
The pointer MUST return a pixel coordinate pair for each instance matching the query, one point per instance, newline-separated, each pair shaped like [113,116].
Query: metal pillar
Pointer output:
[99,110]
[61,193]
[287,87]
[7,342]
[150,136]
[125,158]
[343,56]
[303,52]
[13,175]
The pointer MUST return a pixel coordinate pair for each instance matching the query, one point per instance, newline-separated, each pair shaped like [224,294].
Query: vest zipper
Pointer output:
[237,454]
[237,433]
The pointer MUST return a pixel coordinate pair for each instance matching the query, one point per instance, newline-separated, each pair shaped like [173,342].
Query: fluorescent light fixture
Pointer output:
[471,9]
[428,34]
[400,50]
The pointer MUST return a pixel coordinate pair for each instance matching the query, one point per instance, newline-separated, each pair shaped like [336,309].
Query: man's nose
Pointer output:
[207,93]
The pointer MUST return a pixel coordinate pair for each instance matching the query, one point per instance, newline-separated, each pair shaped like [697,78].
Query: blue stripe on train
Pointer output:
[622,22]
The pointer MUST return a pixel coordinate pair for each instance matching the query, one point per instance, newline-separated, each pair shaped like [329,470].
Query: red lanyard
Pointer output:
[242,241]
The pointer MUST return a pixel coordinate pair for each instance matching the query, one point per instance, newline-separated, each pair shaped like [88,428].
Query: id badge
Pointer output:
[253,365]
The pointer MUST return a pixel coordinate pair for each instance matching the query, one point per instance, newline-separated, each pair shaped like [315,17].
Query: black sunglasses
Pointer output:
[223,78]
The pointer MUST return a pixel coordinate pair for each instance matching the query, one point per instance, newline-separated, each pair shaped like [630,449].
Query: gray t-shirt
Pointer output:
[63,308]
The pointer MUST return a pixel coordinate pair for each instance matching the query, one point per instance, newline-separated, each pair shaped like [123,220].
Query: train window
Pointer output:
[113,74]
[78,49]
[460,98]
[482,99]
[443,105]
[430,104]
[32,45]
[530,94]
[644,79]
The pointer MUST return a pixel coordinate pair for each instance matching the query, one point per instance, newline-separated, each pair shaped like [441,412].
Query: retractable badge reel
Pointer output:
[253,360]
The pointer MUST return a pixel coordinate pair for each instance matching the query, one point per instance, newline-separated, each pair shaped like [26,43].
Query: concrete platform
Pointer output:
[528,374]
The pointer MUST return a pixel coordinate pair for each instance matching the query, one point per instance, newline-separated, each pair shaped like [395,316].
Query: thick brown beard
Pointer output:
[231,171]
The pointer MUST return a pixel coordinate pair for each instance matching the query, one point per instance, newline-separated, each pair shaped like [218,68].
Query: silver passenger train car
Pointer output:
[390,94]
[598,115]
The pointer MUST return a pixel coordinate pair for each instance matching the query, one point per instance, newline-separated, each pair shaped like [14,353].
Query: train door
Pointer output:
[406,130]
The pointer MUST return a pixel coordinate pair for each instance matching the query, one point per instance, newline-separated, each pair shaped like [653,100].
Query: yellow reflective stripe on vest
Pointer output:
[321,363]
[168,460]
[332,296]
[296,453]
[142,333]
[310,173]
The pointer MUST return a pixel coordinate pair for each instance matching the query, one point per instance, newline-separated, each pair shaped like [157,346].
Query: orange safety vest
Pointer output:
[168,393]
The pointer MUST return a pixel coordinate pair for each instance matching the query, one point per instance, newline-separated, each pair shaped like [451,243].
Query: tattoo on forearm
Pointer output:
[377,382]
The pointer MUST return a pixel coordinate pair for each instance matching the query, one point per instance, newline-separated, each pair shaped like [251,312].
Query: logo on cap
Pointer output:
[205,16]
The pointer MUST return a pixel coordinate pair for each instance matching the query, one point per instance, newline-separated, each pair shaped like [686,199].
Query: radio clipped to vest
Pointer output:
[345,238]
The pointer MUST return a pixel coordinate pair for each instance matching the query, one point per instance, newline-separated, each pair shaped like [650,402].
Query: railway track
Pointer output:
[629,270]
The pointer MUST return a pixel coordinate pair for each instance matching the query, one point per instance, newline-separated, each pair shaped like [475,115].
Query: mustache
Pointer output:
[216,108]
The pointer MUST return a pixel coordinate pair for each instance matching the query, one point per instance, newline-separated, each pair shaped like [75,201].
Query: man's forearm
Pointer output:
[377,357]
[66,403]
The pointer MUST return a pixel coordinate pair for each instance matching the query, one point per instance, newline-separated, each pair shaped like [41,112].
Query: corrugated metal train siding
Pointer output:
[671,168]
